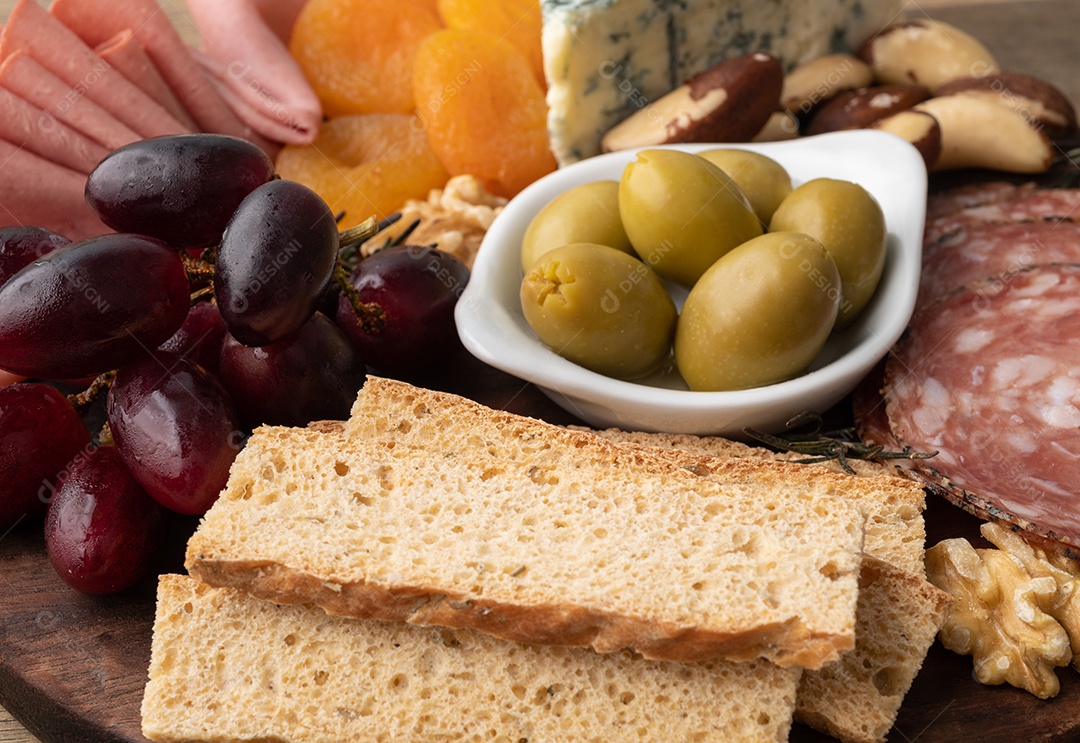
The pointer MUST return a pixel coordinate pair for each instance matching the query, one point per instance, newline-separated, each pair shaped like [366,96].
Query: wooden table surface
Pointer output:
[1041,37]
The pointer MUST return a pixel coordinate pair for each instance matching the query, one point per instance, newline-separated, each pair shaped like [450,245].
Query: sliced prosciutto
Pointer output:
[989,376]
[124,53]
[29,80]
[166,49]
[32,30]
[985,250]
[24,124]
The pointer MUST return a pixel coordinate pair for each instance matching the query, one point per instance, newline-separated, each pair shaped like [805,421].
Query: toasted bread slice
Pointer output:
[436,510]
[228,667]
[858,697]
[895,530]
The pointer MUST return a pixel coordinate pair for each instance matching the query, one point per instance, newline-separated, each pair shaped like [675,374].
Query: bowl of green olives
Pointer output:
[633,289]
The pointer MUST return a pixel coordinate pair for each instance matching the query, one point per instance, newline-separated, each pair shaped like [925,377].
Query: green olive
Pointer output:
[848,221]
[682,213]
[588,213]
[760,315]
[600,308]
[762,179]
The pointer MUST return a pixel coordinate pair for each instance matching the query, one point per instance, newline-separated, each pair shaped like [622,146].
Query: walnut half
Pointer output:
[1005,613]
[454,218]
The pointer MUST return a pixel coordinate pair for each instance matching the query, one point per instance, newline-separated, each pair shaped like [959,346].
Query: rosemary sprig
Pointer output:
[822,446]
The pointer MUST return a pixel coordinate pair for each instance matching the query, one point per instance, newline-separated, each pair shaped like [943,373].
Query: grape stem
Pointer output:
[362,232]
[199,272]
[372,317]
[82,400]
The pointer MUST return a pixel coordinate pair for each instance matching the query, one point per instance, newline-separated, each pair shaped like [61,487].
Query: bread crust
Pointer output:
[565,625]
[551,618]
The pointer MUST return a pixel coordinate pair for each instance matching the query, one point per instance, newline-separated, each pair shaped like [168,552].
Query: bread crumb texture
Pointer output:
[226,667]
[433,509]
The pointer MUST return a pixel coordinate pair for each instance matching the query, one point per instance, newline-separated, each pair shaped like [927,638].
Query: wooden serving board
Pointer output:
[72,667]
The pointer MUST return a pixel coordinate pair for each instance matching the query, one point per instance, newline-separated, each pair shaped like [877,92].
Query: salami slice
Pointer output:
[868,409]
[944,203]
[986,250]
[1025,205]
[989,377]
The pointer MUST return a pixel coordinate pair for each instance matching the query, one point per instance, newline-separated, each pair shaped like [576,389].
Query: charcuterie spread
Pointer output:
[234,278]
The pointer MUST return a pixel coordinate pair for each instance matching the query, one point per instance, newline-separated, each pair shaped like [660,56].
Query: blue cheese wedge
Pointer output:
[605,59]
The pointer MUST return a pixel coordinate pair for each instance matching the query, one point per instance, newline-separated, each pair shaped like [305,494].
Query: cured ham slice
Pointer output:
[32,30]
[258,108]
[264,84]
[124,53]
[24,124]
[27,79]
[989,376]
[162,43]
[1025,205]
[985,250]
[39,192]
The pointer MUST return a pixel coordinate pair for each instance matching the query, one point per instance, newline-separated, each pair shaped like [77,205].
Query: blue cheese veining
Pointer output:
[605,59]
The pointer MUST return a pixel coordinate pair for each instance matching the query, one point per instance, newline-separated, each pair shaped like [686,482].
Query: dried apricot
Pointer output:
[517,22]
[358,54]
[483,110]
[365,165]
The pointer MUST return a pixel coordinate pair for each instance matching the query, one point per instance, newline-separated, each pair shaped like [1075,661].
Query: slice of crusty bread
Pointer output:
[857,698]
[899,612]
[895,530]
[437,510]
[226,667]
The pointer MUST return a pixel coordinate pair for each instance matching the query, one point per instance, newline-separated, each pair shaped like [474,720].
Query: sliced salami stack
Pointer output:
[988,373]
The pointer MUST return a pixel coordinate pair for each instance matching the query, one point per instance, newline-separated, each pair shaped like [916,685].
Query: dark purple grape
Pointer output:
[176,429]
[312,375]
[91,307]
[417,289]
[40,435]
[275,262]
[21,246]
[181,189]
[199,338]
[102,529]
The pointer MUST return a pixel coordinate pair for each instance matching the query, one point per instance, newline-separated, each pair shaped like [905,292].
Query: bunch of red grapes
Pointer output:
[226,299]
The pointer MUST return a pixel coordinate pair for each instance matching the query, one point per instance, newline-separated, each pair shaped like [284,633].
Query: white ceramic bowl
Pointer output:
[493,328]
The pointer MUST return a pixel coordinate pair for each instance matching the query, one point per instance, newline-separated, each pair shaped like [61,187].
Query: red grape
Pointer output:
[275,262]
[417,289]
[102,528]
[40,435]
[199,338]
[175,428]
[91,307]
[313,374]
[21,246]
[181,189]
